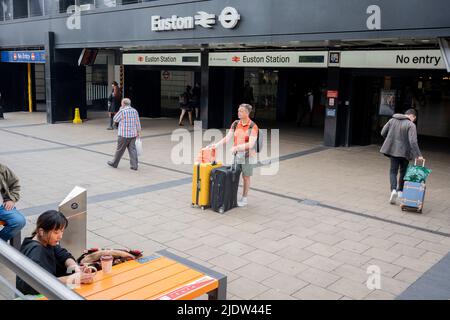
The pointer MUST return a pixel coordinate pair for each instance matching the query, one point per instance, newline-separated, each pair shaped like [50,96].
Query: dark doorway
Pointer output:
[13,86]
[301,82]
[364,123]
[143,87]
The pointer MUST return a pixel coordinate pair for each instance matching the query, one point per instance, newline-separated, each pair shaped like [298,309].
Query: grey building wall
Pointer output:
[262,21]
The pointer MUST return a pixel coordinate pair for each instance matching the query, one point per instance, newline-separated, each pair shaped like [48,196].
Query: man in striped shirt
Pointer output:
[129,130]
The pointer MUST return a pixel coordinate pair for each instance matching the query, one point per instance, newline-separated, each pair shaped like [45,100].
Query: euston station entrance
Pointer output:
[22,80]
[154,81]
[374,95]
[352,92]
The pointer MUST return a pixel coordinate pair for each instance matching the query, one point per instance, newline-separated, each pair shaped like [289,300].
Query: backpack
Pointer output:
[259,141]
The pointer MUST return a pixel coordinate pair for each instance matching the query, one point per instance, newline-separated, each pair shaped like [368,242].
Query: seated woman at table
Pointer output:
[44,249]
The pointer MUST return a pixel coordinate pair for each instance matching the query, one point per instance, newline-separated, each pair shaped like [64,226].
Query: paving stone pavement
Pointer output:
[309,232]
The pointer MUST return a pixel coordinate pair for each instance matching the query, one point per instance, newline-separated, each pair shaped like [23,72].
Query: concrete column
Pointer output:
[65,83]
[50,90]
[331,135]
[204,99]
[111,70]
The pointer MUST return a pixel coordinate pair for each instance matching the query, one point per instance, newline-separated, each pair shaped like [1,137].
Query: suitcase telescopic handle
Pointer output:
[423,162]
[234,166]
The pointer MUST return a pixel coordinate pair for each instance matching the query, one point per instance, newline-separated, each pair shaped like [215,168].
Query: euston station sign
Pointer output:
[23,56]
[228,18]
[293,59]
[162,59]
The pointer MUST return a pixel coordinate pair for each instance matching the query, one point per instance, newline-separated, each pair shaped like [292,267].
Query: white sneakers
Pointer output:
[242,202]
[393,198]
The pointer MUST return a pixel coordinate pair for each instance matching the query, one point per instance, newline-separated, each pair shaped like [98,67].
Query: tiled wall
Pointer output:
[174,86]
[39,76]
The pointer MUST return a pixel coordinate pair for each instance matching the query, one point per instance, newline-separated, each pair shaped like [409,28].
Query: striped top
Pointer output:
[129,123]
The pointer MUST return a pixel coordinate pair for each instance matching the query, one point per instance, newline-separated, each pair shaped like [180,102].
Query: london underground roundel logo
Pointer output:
[33,56]
[140,59]
[229,18]
[15,56]
[166,75]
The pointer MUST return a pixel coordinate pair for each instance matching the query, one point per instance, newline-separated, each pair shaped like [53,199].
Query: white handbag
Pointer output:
[139,148]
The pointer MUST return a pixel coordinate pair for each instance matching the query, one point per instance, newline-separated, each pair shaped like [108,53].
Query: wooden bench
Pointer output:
[16,240]
[161,276]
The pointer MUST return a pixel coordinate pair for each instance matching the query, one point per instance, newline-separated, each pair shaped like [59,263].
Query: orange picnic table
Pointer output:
[161,276]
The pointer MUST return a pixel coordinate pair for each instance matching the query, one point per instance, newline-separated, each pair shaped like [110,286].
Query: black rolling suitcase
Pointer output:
[224,188]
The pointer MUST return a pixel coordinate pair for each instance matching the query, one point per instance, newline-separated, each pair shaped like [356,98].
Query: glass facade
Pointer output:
[6,10]
[20,9]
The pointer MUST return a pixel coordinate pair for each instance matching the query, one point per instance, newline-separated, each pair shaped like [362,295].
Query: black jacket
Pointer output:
[50,258]
[114,100]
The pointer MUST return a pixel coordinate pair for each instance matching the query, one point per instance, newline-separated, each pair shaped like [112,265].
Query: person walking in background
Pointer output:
[400,146]
[129,130]
[114,103]
[306,106]
[186,105]
[13,220]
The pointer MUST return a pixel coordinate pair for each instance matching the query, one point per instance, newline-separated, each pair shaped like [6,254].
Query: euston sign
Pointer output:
[23,56]
[305,59]
[162,59]
[229,18]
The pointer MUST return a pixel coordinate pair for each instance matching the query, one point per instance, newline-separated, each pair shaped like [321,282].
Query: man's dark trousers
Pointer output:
[126,143]
[398,164]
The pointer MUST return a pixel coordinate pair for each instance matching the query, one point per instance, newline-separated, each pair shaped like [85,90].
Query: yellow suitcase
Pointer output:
[200,183]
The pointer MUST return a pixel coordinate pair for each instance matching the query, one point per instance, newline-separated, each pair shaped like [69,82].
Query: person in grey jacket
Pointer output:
[400,146]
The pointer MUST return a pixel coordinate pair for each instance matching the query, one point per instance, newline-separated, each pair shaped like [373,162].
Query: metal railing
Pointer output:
[11,292]
[96,91]
[34,275]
